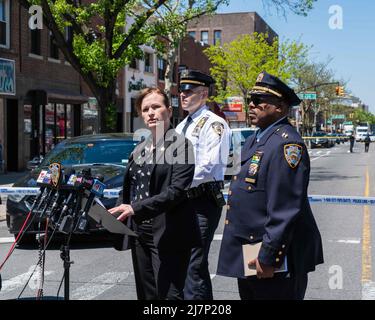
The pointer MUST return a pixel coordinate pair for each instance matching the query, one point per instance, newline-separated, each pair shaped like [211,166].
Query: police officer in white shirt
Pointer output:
[210,136]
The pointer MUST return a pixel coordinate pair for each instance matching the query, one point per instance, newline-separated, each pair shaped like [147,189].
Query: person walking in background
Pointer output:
[210,136]
[351,141]
[153,203]
[367,142]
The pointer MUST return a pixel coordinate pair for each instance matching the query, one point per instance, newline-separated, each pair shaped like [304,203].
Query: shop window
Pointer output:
[4,23]
[90,124]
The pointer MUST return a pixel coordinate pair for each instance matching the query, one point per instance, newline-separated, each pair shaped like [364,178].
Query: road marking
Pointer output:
[99,285]
[7,240]
[357,241]
[366,245]
[20,280]
[323,155]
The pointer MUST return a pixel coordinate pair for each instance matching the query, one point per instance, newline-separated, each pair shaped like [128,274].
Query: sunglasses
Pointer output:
[256,100]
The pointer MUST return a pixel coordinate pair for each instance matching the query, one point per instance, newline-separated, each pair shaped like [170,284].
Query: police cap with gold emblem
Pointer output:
[267,84]
[190,79]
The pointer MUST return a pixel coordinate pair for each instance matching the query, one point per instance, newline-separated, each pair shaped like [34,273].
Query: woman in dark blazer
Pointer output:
[154,203]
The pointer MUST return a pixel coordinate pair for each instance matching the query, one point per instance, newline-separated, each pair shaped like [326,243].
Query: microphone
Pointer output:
[97,190]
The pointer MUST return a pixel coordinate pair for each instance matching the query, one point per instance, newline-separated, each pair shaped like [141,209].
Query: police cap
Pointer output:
[190,79]
[267,84]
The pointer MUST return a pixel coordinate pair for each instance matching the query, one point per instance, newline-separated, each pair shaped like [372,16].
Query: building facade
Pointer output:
[44,100]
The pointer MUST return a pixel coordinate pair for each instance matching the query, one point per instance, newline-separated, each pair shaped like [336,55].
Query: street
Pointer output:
[101,273]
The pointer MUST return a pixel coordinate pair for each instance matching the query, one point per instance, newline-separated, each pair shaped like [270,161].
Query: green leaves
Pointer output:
[236,65]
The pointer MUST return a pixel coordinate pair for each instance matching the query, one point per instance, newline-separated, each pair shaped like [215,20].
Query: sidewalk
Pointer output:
[6,180]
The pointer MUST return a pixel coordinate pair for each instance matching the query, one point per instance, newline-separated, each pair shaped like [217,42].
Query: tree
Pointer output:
[102,43]
[173,20]
[316,77]
[236,65]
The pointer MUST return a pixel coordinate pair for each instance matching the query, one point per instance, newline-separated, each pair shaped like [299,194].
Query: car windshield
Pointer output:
[319,134]
[110,151]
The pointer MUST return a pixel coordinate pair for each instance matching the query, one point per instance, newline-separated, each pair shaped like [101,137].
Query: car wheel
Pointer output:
[27,239]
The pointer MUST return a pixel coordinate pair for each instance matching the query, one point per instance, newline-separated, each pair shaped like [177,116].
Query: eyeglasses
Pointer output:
[256,100]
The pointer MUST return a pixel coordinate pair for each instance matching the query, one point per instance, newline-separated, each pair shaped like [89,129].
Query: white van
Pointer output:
[361,132]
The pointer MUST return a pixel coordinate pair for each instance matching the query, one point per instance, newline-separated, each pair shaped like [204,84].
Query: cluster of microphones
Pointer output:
[66,197]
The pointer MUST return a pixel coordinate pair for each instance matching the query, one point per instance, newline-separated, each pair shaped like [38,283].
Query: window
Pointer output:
[148,63]
[162,64]
[69,34]
[192,34]
[35,36]
[53,48]
[133,64]
[204,37]
[217,37]
[4,23]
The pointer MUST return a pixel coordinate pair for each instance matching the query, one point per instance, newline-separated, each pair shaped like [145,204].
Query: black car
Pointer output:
[320,139]
[105,154]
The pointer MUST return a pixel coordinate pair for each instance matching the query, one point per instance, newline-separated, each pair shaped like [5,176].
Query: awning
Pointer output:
[43,97]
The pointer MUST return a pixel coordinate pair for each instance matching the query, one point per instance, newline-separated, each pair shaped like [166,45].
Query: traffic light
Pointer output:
[340,91]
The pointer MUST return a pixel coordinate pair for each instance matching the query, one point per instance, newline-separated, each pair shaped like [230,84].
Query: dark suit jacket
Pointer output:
[274,209]
[175,224]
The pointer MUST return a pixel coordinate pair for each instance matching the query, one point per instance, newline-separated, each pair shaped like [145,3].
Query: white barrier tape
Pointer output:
[114,193]
[363,201]
[108,193]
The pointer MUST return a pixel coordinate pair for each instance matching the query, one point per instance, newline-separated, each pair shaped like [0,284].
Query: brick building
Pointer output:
[226,27]
[47,101]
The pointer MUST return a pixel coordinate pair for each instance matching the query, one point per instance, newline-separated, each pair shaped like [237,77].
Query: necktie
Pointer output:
[187,124]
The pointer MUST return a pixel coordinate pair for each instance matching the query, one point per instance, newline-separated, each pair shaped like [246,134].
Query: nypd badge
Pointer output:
[293,154]
[218,127]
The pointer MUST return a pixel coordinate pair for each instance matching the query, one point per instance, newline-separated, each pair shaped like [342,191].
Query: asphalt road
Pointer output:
[101,273]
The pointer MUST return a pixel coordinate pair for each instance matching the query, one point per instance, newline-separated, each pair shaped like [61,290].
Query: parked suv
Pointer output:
[105,154]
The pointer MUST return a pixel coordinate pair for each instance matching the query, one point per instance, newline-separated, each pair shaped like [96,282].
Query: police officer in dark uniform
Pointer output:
[268,205]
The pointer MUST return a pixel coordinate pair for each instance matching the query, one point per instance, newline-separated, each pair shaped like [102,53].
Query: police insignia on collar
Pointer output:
[293,154]
[218,127]
[199,126]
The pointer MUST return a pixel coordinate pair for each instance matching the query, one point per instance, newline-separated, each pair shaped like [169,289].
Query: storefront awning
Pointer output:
[43,97]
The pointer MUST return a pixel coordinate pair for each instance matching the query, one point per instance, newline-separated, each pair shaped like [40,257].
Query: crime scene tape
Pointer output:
[114,193]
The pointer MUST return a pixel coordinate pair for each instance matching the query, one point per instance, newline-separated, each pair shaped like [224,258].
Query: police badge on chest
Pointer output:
[252,171]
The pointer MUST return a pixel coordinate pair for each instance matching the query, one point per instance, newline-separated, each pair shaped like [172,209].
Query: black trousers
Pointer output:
[367,145]
[198,284]
[280,287]
[159,275]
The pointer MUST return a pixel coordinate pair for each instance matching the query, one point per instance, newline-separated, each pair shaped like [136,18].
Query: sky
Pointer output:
[350,41]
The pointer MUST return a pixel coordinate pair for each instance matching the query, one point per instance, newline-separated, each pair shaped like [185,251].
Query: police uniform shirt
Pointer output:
[210,136]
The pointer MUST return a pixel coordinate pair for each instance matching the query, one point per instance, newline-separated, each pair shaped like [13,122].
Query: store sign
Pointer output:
[233,104]
[7,77]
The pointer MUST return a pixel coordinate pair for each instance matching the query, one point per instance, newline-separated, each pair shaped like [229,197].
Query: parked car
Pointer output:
[105,154]
[320,140]
[372,137]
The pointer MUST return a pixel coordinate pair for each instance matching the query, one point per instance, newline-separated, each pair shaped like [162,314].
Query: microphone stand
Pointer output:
[65,249]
